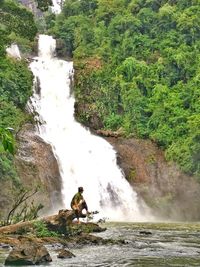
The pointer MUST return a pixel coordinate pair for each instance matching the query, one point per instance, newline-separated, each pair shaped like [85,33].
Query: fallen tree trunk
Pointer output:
[14,228]
[62,223]
[56,223]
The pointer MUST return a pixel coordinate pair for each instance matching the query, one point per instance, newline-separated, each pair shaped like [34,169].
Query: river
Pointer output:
[146,245]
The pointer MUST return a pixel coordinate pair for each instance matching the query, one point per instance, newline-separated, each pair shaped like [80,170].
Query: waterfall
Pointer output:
[13,51]
[84,159]
[57,6]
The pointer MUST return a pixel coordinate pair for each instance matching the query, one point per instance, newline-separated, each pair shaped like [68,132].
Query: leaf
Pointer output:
[7,140]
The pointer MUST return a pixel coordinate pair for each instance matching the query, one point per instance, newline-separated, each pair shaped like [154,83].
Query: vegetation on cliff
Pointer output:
[16,26]
[137,67]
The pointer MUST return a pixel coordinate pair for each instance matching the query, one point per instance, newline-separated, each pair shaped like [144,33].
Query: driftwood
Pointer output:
[14,228]
[57,222]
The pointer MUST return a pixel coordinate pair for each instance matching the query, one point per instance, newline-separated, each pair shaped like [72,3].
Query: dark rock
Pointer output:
[4,246]
[86,239]
[32,5]
[65,254]
[62,51]
[86,228]
[93,120]
[37,86]
[145,233]
[28,252]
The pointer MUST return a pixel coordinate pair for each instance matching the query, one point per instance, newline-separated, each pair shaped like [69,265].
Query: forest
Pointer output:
[16,26]
[137,67]
[136,64]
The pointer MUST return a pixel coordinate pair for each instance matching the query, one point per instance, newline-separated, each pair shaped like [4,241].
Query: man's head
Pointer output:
[80,189]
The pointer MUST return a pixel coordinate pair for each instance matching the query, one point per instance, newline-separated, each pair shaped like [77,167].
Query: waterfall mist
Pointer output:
[84,159]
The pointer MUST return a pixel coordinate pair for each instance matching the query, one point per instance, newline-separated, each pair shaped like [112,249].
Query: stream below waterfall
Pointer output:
[146,245]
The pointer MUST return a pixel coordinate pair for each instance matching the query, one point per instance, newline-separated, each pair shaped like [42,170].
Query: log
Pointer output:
[14,228]
[56,223]
[60,223]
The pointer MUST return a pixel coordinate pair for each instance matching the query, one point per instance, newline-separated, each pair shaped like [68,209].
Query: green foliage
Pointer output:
[7,170]
[22,209]
[7,144]
[17,19]
[43,5]
[148,78]
[4,40]
[41,230]
[16,26]
[7,140]
[25,46]
[76,7]
[15,82]
[113,121]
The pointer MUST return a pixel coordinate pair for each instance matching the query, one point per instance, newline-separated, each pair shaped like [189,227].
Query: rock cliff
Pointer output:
[171,194]
[36,165]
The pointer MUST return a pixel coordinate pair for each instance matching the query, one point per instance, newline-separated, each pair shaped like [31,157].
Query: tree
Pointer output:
[20,210]
[149,77]
[18,20]
[16,25]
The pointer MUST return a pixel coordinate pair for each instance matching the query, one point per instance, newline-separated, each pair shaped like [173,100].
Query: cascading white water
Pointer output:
[84,159]
[56,6]
[13,51]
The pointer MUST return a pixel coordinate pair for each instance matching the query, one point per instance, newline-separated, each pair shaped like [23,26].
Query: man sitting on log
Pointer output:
[78,204]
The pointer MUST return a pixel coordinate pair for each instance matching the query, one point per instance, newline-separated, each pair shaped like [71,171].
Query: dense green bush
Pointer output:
[17,19]
[148,81]
[6,167]
[41,230]
[15,82]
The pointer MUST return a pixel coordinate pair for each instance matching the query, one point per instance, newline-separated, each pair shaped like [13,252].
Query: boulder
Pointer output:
[65,254]
[28,252]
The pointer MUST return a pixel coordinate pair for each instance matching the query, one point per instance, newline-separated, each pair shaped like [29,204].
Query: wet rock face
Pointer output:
[170,193]
[32,5]
[93,120]
[36,165]
[62,51]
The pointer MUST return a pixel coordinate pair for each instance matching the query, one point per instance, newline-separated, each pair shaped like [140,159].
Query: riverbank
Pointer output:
[134,244]
[26,243]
